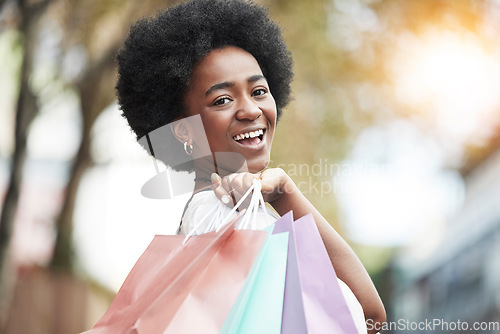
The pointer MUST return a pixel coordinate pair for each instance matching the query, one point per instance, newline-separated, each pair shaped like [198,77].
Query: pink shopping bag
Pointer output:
[171,283]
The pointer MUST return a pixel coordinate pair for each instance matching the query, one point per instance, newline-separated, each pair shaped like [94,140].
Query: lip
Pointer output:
[251,129]
[255,148]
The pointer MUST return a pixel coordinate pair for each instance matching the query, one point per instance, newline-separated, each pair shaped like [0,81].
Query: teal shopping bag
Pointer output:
[259,306]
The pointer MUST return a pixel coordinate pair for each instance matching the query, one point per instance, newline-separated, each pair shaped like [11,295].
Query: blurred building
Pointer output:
[460,280]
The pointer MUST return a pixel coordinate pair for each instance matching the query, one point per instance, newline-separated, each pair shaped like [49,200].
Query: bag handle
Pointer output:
[255,187]
[249,217]
[257,200]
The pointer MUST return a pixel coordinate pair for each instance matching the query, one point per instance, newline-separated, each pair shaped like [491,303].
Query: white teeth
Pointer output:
[251,134]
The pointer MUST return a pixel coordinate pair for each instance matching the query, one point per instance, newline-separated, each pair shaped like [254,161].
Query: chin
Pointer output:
[257,166]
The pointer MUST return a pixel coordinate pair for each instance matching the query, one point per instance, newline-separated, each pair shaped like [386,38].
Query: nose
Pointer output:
[248,110]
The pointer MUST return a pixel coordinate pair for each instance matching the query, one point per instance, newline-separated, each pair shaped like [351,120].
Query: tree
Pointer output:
[26,110]
[83,23]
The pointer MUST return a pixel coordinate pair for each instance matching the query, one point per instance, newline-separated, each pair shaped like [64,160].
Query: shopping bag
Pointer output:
[313,300]
[293,319]
[169,282]
[259,306]
[217,289]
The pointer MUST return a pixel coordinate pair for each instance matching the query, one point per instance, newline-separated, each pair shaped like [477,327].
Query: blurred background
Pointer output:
[394,134]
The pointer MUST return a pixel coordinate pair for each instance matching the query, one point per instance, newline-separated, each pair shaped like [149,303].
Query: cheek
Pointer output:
[216,129]
[270,110]
[271,116]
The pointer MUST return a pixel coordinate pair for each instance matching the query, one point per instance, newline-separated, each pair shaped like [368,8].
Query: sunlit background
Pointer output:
[397,114]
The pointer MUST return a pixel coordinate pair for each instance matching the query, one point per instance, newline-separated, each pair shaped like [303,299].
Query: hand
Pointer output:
[274,183]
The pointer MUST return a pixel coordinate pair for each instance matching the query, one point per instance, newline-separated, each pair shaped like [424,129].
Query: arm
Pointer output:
[347,265]
[280,191]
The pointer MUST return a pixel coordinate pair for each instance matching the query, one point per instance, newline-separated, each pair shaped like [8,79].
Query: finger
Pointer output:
[273,184]
[267,181]
[241,183]
[216,180]
[227,181]
[248,179]
[220,192]
[237,183]
[217,186]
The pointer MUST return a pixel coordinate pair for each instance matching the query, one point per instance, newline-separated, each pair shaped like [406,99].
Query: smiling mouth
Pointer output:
[250,138]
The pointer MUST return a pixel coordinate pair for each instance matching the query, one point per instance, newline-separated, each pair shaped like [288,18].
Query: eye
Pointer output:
[259,92]
[222,101]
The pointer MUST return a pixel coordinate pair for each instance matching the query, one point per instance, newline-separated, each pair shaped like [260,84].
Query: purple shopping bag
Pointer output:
[313,300]
[293,319]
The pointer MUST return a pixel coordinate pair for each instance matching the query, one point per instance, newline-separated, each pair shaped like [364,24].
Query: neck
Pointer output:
[204,167]
[223,164]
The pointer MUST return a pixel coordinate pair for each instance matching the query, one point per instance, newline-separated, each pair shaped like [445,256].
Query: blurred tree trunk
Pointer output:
[95,87]
[96,90]
[26,110]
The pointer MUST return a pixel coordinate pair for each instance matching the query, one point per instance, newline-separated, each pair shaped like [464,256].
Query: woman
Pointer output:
[226,63]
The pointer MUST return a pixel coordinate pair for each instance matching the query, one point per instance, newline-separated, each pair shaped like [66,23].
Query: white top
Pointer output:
[205,201]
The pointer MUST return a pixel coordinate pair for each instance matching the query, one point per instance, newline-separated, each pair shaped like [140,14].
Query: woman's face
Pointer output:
[233,99]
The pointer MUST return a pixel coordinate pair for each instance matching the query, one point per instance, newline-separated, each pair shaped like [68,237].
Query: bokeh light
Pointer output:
[450,77]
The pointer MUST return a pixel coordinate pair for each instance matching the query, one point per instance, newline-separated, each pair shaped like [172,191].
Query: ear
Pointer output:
[182,131]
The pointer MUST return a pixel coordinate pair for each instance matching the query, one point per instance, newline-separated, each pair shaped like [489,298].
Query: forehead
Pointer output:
[229,64]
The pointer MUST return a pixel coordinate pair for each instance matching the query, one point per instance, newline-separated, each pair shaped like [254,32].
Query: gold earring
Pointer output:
[188,148]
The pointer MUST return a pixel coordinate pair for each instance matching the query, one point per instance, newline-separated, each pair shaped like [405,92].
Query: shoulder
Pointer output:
[200,204]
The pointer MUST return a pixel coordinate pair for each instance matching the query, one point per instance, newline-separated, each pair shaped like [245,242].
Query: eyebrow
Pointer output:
[227,84]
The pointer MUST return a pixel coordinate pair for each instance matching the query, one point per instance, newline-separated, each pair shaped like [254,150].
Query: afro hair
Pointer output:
[157,59]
